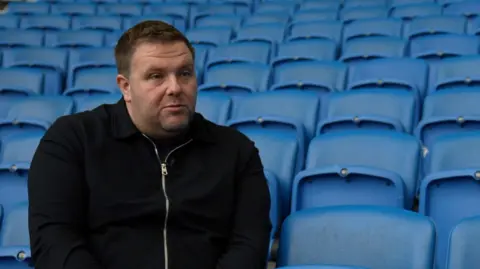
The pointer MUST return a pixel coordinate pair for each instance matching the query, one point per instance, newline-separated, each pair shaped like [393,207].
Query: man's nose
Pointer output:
[173,85]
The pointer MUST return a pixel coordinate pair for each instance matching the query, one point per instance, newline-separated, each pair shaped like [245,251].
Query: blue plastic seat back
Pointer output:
[270,33]
[129,22]
[438,47]
[322,266]
[266,19]
[348,15]
[364,3]
[15,229]
[374,156]
[433,25]
[473,27]
[396,3]
[402,74]
[85,58]
[75,39]
[74,9]
[19,8]
[112,38]
[92,102]
[35,113]
[308,49]
[120,9]
[374,47]
[372,27]
[454,73]
[316,76]
[178,11]
[232,21]
[469,9]
[313,15]
[237,78]
[446,3]
[21,82]
[9,22]
[214,106]
[370,109]
[318,5]
[90,81]
[45,22]
[210,36]
[347,235]
[99,23]
[331,30]
[201,54]
[20,38]
[19,148]
[450,191]
[6,102]
[250,52]
[52,62]
[278,152]
[416,10]
[462,244]
[275,7]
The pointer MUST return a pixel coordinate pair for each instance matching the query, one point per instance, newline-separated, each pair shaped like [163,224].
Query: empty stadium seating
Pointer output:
[358,108]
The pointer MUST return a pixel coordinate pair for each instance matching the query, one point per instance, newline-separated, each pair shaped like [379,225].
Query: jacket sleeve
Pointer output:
[249,240]
[57,202]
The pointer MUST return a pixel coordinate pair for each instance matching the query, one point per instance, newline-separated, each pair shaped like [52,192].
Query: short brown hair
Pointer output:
[146,31]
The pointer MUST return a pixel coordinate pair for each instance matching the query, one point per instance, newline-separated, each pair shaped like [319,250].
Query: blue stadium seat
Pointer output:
[92,102]
[15,249]
[473,27]
[448,112]
[45,22]
[446,3]
[212,9]
[396,3]
[434,25]
[319,5]
[214,106]
[266,19]
[370,109]
[201,54]
[463,243]
[249,52]
[6,102]
[236,78]
[308,49]
[209,37]
[372,167]
[74,39]
[348,235]
[275,7]
[99,23]
[372,27]
[98,2]
[119,9]
[86,58]
[231,20]
[91,81]
[403,74]
[111,38]
[280,123]
[74,9]
[315,76]
[468,9]
[437,47]
[178,11]
[322,266]
[364,3]
[449,192]
[411,11]
[9,22]
[15,38]
[51,62]
[242,7]
[35,114]
[20,82]
[19,8]
[348,15]
[275,209]
[271,33]
[454,73]
[313,15]
[367,48]
[129,22]
[321,29]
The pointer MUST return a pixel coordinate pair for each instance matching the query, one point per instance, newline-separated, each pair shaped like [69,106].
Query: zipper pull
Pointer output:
[164,169]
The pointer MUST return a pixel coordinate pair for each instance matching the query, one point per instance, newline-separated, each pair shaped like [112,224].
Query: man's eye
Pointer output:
[155,76]
[186,73]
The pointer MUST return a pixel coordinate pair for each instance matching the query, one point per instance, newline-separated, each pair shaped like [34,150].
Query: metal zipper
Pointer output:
[163,166]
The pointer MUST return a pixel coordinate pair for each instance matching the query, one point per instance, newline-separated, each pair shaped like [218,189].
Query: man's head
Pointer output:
[156,75]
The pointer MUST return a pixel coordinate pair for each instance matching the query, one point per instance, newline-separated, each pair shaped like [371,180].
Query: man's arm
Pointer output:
[249,242]
[57,202]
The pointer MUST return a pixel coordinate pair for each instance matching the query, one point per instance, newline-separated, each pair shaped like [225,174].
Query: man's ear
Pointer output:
[124,86]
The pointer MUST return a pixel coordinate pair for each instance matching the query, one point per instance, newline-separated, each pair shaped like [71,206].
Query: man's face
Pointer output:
[161,91]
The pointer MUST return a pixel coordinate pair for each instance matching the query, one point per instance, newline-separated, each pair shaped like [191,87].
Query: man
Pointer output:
[147,183]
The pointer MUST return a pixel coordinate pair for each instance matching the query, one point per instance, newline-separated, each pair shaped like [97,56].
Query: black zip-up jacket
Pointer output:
[102,197]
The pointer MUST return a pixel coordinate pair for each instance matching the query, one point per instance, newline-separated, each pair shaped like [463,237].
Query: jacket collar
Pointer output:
[123,127]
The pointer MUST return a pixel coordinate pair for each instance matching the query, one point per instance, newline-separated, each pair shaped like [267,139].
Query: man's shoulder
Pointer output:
[226,135]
